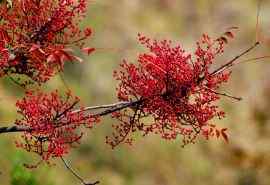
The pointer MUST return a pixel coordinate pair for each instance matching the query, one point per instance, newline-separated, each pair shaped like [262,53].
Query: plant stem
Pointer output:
[231,62]
[76,174]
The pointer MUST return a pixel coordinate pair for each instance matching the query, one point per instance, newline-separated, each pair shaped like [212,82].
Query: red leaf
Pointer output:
[77,58]
[52,58]
[34,47]
[88,50]
[64,56]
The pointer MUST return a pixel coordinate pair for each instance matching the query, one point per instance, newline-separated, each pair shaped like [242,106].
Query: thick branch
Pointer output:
[13,129]
[108,106]
[108,110]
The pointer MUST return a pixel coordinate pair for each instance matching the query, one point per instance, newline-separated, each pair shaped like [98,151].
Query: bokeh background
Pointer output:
[245,160]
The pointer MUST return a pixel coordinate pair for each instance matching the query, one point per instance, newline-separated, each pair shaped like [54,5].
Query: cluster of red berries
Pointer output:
[175,90]
[54,126]
[35,36]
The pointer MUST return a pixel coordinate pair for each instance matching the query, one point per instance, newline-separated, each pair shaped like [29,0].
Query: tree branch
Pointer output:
[13,129]
[75,174]
[110,108]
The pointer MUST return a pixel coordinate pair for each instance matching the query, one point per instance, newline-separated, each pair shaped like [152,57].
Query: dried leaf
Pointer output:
[224,134]
[229,34]
[223,39]
[217,133]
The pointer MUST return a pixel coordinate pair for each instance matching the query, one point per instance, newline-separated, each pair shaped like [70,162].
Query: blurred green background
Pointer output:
[245,160]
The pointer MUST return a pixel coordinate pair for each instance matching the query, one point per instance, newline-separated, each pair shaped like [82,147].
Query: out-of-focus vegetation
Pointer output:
[245,160]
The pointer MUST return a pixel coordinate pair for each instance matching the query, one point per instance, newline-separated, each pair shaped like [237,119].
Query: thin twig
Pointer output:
[225,94]
[255,59]
[231,62]
[258,36]
[114,109]
[101,107]
[65,111]
[76,174]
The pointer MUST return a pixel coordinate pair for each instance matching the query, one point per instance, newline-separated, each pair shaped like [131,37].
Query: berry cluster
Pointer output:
[35,36]
[177,90]
[54,126]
